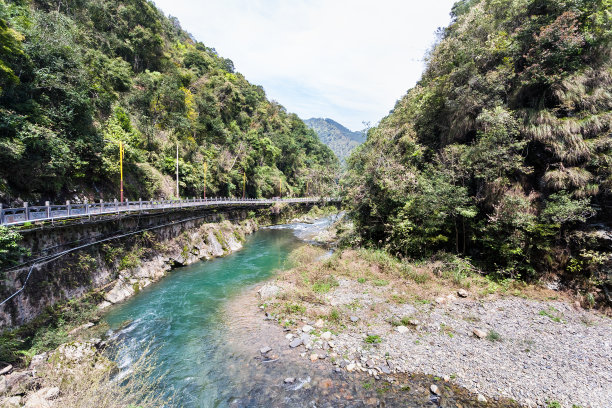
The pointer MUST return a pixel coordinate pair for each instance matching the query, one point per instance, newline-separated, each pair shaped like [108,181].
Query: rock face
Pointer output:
[208,241]
[123,266]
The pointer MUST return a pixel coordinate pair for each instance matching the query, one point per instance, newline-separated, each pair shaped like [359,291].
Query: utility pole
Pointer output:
[243,184]
[205,171]
[121,168]
[177,183]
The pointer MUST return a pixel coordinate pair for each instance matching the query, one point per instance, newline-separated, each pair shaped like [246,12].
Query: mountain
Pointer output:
[502,151]
[338,138]
[77,78]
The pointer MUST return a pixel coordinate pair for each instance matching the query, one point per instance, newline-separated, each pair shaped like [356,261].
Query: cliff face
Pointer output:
[118,268]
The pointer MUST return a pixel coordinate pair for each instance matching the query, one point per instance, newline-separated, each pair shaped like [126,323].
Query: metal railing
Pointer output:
[51,212]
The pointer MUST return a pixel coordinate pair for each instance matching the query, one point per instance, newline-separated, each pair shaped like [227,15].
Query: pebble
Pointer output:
[463,293]
[295,343]
[289,380]
[314,357]
[481,334]
[307,328]
[354,319]
[289,336]
[434,389]
[6,369]
[402,329]
[351,367]
[265,350]
[481,398]
[326,336]
[319,324]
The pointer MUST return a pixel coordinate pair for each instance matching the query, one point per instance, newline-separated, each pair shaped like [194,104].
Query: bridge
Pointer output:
[51,212]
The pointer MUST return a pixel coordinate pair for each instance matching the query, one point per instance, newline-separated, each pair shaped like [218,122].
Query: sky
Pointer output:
[349,60]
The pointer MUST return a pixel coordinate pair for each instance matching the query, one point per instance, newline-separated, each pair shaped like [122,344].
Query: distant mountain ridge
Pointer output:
[339,138]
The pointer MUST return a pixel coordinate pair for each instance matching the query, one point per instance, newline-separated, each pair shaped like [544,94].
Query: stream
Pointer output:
[207,335]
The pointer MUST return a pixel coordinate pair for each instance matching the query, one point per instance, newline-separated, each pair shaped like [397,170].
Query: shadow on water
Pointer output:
[211,360]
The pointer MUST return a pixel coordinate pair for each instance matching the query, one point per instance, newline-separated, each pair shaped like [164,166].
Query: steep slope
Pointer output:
[503,150]
[338,138]
[77,77]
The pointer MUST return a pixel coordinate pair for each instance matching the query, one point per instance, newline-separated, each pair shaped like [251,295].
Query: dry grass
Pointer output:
[95,382]
[308,289]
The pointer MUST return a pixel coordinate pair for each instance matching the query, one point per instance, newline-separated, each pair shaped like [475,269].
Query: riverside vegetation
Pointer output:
[502,152]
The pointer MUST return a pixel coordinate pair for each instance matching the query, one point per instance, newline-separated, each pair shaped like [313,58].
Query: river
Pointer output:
[208,361]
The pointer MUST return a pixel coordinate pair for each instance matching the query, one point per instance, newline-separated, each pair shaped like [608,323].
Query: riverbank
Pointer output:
[363,311]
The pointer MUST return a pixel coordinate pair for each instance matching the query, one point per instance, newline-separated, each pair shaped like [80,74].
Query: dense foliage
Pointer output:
[79,76]
[503,150]
[338,138]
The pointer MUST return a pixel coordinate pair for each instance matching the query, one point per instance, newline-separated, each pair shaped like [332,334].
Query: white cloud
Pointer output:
[349,60]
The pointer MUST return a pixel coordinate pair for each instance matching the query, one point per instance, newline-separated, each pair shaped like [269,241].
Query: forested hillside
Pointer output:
[341,140]
[79,76]
[503,150]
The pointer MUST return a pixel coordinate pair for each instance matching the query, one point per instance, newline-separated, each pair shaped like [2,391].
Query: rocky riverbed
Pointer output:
[532,346]
[297,368]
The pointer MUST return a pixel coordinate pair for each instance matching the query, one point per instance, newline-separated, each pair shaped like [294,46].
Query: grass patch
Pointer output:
[324,285]
[493,336]
[553,314]
[373,339]
[334,316]
[380,282]
[295,309]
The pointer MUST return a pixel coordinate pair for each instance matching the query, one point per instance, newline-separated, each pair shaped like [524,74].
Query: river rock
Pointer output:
[440,300]
[314,357]
[295,343]
[79,328]
[481,398]
[6,369]
[289,336]
[268,291]
[77,351]
[38,360]
[289,380]
[319,324]
[463,293]
[401,329]
[481,334]
[265,350]
[354,319]
[11,402]
[307,328]
[19,381]
[326,336]
[434,389]
[351,367]
[36,401]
